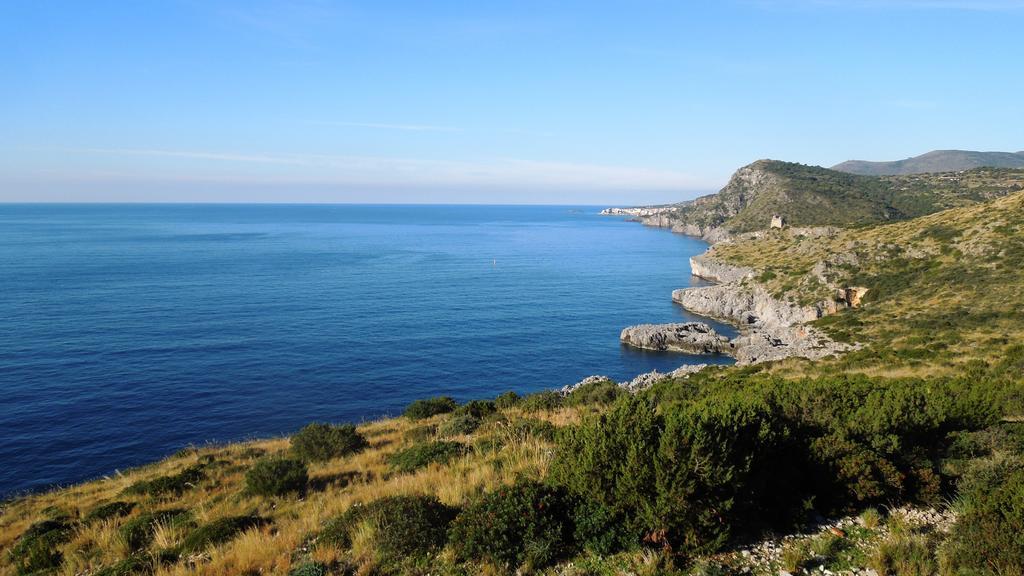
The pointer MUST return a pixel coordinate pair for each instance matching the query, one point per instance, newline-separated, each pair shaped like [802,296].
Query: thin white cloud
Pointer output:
[216,156]
[376,171]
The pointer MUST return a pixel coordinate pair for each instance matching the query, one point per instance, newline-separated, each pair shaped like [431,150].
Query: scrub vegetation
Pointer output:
[671,480]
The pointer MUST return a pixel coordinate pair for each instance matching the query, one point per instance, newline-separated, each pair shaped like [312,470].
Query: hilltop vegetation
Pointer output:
[944,289]
[815,196]
[934,161]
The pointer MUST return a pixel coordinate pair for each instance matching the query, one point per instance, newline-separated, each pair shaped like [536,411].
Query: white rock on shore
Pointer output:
[770,329]
[641,382]
[687,337]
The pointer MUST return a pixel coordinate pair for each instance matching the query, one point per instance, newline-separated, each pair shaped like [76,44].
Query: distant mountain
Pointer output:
[935,161]
[815,196]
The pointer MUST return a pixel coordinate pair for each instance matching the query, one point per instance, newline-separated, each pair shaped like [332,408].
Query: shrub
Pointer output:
[903,555]
[420,455]
[477,409]
[795,555]
[988,537]
[138,532]
[173,484]
[541,401]
[276,477]
[218,531]
[870,518]
[421,409]
[109,510]
[404,527]
[526,524]
[319,442]
[310,569]
[683,477]
[506,400]
[601,392]
[420,433]
[459,424]
[35,548]
[133,566]
[598,530]
[523,427]
[825,545]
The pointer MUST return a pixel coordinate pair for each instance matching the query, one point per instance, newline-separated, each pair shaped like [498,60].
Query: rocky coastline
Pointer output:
[770,329]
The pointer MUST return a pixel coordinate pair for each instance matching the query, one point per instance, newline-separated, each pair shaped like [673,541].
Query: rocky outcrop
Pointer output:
[648,379]
[770,329]
[744,304]
[686,337]
[718,271]
[851,296]
[641,382]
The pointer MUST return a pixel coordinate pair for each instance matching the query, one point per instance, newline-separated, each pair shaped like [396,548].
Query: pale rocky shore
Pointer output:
[688,337]
[770,328]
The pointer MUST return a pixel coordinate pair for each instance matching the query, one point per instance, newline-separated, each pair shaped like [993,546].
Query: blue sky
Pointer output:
[594,102]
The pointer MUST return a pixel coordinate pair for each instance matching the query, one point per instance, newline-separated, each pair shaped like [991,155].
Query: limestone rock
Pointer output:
[688,337]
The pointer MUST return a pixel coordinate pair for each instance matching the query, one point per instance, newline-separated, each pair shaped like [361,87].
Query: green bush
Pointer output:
[174,484]
[421,409]
[109,510]
[420,433]
[602,392]
[988,537]
[137,533]
[218,532]
[904,555]
[477,408]
[598,530]
[542,401]
[506,400]
[133,566]
[277,477]
[420,455]
[35,548]
[459,424]
[406,528]
[682,476]
[523,427]
[318,442]
[310,569]
[527,524]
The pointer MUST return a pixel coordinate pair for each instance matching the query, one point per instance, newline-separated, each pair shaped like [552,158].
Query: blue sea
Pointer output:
[131,331]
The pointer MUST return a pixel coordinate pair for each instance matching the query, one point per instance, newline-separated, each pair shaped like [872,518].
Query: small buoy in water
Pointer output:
[494,262]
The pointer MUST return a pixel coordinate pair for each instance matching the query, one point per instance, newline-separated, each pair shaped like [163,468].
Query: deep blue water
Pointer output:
[130,331]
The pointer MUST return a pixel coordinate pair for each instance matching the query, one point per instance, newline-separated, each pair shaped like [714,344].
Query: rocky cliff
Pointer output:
[770,328]
[812,196]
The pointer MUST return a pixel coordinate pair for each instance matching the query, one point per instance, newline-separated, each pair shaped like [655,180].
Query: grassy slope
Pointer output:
[944,289]
[273,549]
[815,196]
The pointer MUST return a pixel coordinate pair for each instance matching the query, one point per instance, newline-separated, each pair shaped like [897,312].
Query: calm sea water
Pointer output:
[130,331]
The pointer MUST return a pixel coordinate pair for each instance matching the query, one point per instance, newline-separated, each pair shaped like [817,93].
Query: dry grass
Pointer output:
[944,288]
[335,486]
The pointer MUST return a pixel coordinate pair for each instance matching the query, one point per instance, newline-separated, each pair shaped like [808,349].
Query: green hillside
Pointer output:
[814,196]
[944,289]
